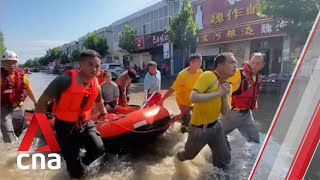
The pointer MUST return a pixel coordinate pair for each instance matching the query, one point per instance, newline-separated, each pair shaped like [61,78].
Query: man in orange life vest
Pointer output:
[246,85]
[74,93]
[15,87]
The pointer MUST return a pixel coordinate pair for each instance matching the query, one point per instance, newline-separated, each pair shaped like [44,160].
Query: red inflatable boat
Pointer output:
[130,127]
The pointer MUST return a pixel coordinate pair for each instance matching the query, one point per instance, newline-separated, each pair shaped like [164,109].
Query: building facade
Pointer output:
[149,24]
[105,32]
[235,26]
[224,25]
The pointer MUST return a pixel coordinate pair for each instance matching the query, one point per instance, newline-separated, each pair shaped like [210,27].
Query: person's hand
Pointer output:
[101,117]
[160,103]
[224,89]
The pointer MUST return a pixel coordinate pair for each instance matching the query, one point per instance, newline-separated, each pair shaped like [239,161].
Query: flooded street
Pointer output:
[156,161]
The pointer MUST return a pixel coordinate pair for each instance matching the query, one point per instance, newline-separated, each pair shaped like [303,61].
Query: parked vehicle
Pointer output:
[115,69]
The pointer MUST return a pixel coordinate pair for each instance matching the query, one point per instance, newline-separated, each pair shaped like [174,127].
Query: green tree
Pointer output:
[28,63]
[36,62]
[32,63]
[96,42]
[65,59]
[75,55]
[128,41]
[2,46]
[183,30]
[302,12]
[51,55]
[43,61]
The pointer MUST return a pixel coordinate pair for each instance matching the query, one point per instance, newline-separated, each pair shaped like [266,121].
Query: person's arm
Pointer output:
[30,91]
[53,91]
[167,94]
[199,97]
[146,86]
[226,107]
[32,97]
[202,85]
[99,103]
[176,85]
[123,94]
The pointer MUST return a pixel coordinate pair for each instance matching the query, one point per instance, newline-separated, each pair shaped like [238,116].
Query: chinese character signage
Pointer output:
[155,40]
[243,32]
[221,21]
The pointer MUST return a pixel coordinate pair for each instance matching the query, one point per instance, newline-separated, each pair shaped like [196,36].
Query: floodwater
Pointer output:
[156,161]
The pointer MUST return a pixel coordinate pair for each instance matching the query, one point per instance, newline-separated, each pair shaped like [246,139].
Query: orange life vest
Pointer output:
[247,94]
[68,108]
[101,77]
[13,91]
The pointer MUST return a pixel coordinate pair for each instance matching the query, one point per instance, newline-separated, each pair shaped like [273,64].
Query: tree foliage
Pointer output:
[64,59]
[32,63]
[182,29]
[50,56]
[96,42]
[75,55]
[128,41]
[302,12]
[2,46]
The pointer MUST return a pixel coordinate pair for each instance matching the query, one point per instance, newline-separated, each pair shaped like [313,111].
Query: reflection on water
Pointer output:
[157,160]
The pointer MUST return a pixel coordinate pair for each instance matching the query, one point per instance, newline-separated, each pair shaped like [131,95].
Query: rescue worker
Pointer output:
[246,86]
[124,81]
[183,86]
[15,87]
[210,96]
[110,92]
[152,84]
[74,93]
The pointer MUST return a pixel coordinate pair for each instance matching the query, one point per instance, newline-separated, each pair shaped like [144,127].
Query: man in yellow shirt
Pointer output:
[210,96]
[15,87]
[246,86]
[183,86]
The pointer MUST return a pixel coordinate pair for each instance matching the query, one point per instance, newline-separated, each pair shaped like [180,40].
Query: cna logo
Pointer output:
[39,120]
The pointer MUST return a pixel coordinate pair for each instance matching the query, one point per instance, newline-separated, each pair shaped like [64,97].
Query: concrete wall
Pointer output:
[241,50]
[208,50]
[141,58]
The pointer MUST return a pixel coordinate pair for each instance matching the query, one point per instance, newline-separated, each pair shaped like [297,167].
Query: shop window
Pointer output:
[165,11]
[161,14]
[161,24]
[176,7]
[171,9]
[148,28]
[156,25]
[155,15]
[144,29]
[145,18]
[152,27]
[166,22]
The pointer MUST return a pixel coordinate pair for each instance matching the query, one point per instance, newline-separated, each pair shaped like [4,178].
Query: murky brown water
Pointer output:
[157,160]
